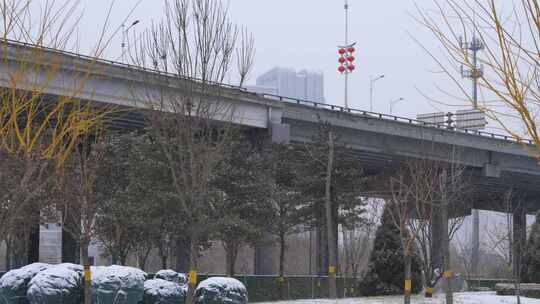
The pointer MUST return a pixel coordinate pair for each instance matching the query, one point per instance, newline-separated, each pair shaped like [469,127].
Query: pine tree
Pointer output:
[347,183]
[531,269]
[386,272]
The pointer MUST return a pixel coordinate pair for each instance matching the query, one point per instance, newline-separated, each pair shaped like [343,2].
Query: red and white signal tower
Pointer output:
[346,56]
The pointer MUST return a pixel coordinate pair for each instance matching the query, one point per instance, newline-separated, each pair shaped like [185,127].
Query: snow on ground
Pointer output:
[459,298]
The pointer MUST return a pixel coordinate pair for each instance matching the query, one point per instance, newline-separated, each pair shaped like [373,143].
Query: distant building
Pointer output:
[262,89]
[290,83]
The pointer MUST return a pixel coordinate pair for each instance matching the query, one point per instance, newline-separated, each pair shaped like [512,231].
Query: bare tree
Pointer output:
[356,239]
[357,242]
[510,63]
[421,188]
[38,132]
[196,42]
[82,194]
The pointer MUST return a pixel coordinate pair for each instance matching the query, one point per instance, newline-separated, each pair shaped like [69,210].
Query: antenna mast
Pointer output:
[474,73]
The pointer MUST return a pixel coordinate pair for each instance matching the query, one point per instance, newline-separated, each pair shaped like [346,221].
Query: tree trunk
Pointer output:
[332,290]
[162,251]
[164,262]
[183,254]
[408,279]
[193,265]
[123,259]
[282,265]
[231,252]
[8,253]
[448,276]
[142,257]
[114,258]
[87,273]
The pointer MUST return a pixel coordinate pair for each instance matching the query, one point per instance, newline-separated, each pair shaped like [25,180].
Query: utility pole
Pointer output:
[346,58]
[332,267]
[474,73]
[346,43]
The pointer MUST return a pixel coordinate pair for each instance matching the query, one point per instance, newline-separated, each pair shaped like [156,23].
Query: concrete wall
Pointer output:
[50,243]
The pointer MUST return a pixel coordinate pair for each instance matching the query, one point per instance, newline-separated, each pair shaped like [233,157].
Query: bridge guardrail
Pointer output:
[393,117]
[277,97]
[114,63]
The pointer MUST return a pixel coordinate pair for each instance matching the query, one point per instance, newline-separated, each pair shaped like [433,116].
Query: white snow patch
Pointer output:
[164,288]
[229,284]
[459,298]
[126,275]
[119,281]
[60,282]
[172,276]
[15,278]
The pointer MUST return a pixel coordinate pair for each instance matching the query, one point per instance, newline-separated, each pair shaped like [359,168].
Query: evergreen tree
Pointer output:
[531,269]
[346,188]
[241,206]
[385,275]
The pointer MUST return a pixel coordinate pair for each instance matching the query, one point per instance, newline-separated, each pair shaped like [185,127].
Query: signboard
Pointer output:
[438,118]
[472,119]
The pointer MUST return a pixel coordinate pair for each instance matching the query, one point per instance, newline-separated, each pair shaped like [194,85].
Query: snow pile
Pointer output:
[159,291]
[459,298]
[117,284]
[219,290]
[14,284]
[171,276]
[56,284]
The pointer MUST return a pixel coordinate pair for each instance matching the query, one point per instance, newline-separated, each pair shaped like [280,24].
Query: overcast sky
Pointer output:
[304,34]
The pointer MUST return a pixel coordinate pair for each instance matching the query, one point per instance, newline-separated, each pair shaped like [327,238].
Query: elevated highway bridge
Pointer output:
[380,141]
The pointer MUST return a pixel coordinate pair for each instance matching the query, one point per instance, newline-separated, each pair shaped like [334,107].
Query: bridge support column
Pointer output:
[475,254]
[265,260]
[265,256]
[519,237]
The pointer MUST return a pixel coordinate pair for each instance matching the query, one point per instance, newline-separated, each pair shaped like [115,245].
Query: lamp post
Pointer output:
[124,35]
[372,80]
[393,102]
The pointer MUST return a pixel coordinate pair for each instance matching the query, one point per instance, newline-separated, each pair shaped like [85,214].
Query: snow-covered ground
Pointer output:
[459,298]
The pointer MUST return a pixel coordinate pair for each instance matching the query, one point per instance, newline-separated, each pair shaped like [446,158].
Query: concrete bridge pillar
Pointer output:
[265,260]
[475,242]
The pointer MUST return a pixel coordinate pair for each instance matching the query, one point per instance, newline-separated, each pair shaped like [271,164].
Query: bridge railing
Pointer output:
[375,115]
[114,63]
[272,96]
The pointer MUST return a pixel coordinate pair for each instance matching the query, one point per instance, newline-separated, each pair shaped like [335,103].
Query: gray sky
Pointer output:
[304,34]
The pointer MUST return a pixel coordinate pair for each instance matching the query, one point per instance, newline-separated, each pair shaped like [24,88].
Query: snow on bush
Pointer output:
[14,284]
[172,276]
[218,290]
[160,291]
[56,284]
[117,284]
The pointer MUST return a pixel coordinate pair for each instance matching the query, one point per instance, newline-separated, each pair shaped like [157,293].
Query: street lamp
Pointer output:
[371,81]
[124,35]
[393,102]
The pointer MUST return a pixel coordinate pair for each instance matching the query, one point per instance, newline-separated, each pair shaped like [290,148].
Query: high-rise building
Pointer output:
[290,83]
